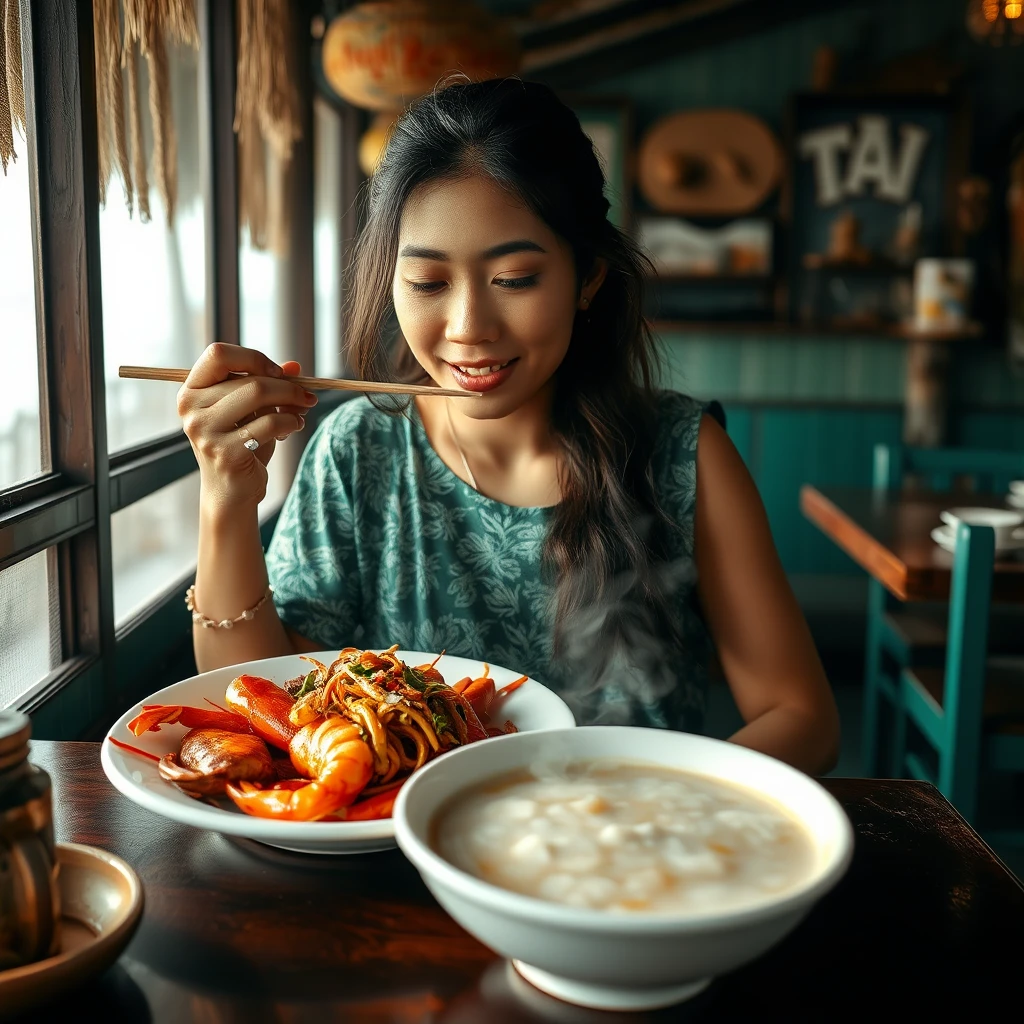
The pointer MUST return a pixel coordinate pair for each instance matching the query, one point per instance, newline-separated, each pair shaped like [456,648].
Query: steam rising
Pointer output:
[619,659]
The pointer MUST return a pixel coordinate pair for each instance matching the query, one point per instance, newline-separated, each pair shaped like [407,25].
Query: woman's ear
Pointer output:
[593,282]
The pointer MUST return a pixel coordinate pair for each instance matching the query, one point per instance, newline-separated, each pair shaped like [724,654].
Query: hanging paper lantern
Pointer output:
[383,55]
[373,141]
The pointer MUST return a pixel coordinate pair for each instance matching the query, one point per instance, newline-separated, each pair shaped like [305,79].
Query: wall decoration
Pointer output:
[870,191]
[709,163]
[609,123]
[742,248]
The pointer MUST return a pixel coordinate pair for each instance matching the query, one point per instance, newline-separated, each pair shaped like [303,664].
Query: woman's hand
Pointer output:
[220,413]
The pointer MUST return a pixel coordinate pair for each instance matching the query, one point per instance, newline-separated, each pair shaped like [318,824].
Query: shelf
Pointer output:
[760,280]
[876,267]
[782,328]
[968,332]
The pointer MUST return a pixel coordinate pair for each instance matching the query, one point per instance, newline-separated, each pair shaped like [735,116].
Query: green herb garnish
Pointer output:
[414,680]
[308,685]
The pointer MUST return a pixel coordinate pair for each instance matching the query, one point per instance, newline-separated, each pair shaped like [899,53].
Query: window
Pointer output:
[327,221]
[154,545]
[99,527]
[154,276]
[269,304]
[22,453]
[30,643]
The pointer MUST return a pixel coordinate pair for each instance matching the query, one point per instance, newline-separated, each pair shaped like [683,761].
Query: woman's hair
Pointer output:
[608,525]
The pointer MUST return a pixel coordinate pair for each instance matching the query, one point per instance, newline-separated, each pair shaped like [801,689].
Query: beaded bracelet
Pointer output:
[207,623]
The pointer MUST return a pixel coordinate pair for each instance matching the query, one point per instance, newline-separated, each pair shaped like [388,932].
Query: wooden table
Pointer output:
[889,535]
[234,931]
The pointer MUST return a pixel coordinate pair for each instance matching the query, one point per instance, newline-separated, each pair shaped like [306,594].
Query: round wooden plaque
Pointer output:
[713,163]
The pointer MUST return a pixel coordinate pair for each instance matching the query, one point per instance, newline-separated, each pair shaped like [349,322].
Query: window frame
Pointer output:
[105,668]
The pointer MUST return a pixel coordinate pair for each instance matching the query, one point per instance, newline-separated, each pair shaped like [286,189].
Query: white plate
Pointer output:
[945,537]
[532,707]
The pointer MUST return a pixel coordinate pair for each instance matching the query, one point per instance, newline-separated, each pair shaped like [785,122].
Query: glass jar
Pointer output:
[29,890]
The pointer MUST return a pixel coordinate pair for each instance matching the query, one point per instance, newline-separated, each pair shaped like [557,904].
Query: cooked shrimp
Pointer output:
[337,759]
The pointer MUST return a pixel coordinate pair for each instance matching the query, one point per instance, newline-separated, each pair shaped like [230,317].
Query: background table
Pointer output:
[889,535]
[234,931]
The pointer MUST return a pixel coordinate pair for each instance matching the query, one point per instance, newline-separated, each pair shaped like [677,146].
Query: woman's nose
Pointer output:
[471,320]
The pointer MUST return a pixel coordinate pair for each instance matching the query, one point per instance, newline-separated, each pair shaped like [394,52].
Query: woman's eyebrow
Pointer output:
[419,252]
[506,248]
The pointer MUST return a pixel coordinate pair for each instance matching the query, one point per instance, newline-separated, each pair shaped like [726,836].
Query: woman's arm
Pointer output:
[760,633]
[220,411]
[230,577]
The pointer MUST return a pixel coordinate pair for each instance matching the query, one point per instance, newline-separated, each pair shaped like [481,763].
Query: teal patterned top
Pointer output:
[380,543]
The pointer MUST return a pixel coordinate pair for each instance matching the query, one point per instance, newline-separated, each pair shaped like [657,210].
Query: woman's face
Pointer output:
[485,293]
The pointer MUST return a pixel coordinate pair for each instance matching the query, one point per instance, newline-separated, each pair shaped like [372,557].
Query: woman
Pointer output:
[565,519]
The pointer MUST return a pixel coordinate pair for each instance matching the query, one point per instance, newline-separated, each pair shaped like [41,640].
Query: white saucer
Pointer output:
[945,537]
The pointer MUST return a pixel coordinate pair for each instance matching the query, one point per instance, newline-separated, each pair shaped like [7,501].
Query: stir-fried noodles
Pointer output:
[353,730]
[406,715]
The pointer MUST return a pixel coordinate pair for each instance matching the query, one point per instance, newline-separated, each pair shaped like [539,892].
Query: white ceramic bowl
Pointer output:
[532,706]
[618,961]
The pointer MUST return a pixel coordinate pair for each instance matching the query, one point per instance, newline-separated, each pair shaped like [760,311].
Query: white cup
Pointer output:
[1017,488]
[942,293]
[1006,524]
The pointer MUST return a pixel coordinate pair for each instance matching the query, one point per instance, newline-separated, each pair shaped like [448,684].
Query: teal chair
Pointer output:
[969,711]
[902,635]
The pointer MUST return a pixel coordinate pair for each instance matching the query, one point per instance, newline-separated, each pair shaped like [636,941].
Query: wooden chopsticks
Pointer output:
[312,383]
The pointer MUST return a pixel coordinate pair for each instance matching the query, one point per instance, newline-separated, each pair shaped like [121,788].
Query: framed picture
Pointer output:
[870,190]
[609,123]
[742,248]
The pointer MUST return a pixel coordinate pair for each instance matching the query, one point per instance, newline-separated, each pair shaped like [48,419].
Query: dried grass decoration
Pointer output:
[12,86]
[267,116]
[146,27]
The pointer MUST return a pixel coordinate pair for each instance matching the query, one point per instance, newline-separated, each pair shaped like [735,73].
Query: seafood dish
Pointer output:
[334,744]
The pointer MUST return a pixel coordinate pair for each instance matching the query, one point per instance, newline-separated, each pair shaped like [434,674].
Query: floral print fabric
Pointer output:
[380,543]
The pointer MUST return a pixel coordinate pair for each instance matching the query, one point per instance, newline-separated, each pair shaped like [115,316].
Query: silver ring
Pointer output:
[252,444]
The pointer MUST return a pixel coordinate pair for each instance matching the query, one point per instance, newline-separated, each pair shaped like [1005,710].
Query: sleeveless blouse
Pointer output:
[380,543]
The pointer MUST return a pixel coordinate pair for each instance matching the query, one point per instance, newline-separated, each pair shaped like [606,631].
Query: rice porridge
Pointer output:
[624,837]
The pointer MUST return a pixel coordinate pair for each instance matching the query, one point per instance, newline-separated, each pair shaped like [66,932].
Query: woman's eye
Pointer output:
[517,282]
[426,286]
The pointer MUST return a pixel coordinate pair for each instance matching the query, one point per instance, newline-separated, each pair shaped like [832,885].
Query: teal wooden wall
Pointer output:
[809,408]
[759,72]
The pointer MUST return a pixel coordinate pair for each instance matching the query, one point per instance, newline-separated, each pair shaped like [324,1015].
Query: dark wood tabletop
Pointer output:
[234,931]
[889,535]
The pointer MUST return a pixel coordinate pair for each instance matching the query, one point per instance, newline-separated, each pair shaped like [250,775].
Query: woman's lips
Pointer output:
[486,381]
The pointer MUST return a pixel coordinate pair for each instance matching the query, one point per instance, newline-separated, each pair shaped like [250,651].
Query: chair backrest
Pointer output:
[984,470]
[967,636]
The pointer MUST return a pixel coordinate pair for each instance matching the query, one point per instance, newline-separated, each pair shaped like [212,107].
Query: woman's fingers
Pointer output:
[268,427]
[295,410]
[219,361]
[241,400]
[248,394]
